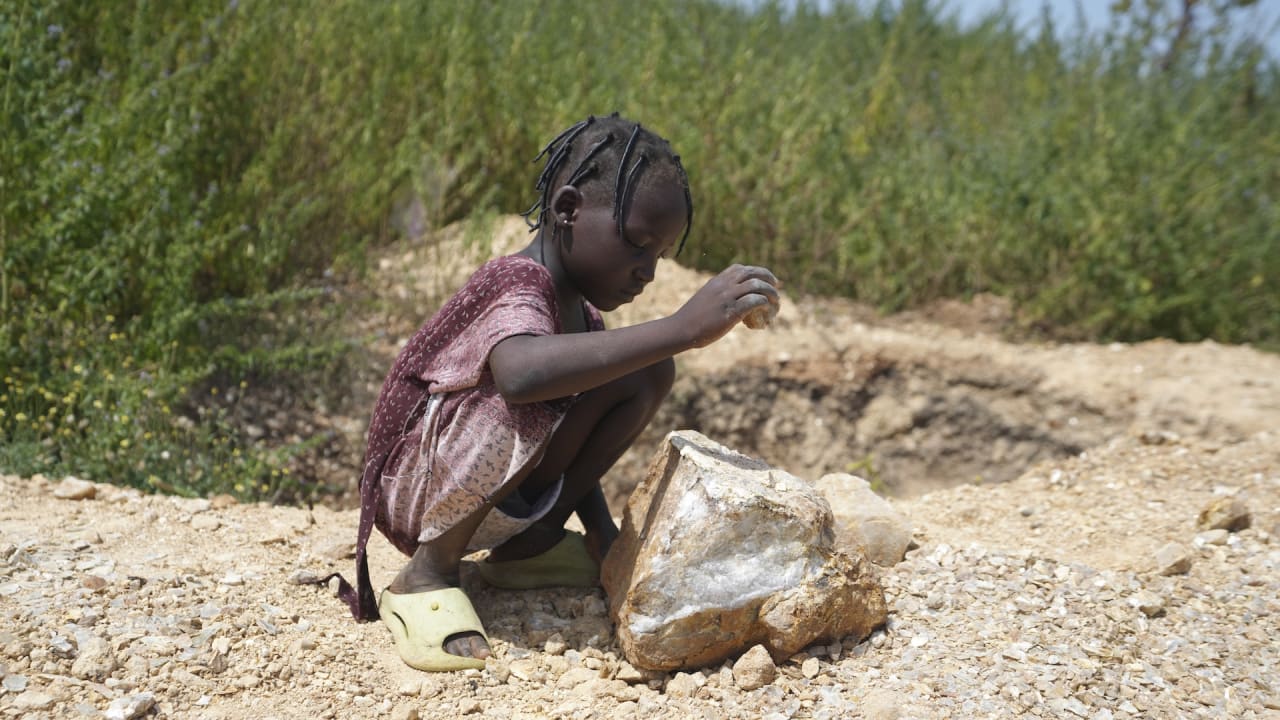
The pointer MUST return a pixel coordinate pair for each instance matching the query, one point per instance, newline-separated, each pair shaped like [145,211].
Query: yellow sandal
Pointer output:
[566,564]
[422,622]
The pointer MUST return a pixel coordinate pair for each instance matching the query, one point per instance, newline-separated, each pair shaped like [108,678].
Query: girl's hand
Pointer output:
[724,300]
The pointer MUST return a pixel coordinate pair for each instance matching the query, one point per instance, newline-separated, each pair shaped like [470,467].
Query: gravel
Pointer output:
[118,605]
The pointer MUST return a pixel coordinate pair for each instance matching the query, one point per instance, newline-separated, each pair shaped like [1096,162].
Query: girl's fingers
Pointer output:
[754,272]
[760,286]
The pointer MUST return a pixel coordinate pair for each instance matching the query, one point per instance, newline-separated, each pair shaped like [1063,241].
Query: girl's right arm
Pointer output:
[534,368]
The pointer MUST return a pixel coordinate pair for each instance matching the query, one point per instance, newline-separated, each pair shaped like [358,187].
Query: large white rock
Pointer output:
[719,552]
[864,520]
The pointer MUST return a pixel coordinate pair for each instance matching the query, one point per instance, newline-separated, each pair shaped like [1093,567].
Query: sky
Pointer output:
[1258,21]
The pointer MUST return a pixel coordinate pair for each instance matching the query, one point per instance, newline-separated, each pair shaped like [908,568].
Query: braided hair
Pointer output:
[608,159]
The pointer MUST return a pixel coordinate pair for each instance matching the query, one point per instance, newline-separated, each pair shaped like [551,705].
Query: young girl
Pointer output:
[505,410]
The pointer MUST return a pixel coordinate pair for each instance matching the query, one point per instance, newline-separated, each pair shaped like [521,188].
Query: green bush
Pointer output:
[176,178]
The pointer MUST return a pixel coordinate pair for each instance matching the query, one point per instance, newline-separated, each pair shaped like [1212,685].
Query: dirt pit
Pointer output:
[916,402]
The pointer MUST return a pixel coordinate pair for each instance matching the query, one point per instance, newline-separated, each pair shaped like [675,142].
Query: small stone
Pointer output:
[1212,537]
[231,579]
[339,550]
[73,488]
[576,676]
[1151,604]
[410,688]
[810,668]
[682,684]
[96,660]
[246,682]
[130,706]
[1173,559]
[525,669]
[33,700]
[205,523]
[15,683]
[864,521]
[1026,511]
[93,582]
[1225,513]
[194,506]
[881,705]
[404,711]
[221,502]
[754,669]
[556,645]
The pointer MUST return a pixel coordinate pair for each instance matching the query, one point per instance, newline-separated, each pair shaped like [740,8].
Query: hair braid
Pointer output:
[583,154]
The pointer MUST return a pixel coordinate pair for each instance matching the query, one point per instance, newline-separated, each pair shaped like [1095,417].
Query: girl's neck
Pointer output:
[544,251]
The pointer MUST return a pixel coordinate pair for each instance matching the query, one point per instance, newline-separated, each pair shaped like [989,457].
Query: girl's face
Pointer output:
[611,271]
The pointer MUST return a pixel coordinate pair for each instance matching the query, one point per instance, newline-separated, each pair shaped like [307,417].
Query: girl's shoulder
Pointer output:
[512,268]
[507,276]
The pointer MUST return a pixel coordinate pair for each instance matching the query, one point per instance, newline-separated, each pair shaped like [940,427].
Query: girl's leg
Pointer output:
[593,435]
[435,566]
[602,424]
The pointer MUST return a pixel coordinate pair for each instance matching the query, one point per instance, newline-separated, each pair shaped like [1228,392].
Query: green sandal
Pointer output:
[566,564]
[421,622]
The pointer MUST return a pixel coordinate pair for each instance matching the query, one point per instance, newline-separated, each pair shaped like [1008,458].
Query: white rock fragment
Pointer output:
[96,660]
[73,488]
[754,669]
[1151,604]
[33,700]
[1225,513]
[864,520]
[130,706]
[404,711]
[1173,559]
[1217,536]
[205,523]
[683,685]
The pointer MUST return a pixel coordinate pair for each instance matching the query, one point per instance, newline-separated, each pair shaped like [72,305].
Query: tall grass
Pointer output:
[176,177]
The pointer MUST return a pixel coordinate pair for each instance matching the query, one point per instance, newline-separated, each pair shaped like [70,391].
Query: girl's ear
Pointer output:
[565,204]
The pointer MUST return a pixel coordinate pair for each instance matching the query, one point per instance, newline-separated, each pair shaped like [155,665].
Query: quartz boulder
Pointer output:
[719,552]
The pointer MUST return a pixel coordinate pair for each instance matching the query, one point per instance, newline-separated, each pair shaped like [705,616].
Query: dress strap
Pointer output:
[360,599]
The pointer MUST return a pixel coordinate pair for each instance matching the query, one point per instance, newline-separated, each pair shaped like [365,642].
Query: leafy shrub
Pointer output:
[176,178]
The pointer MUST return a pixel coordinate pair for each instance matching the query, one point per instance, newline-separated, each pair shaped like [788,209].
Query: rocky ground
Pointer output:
[1084,586]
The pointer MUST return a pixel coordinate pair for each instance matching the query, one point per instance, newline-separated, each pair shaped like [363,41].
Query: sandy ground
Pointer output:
[1037,592]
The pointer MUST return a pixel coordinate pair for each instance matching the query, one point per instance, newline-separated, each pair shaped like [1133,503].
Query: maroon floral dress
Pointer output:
[442,440]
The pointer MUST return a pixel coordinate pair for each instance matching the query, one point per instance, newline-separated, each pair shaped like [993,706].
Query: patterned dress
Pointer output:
[442,440]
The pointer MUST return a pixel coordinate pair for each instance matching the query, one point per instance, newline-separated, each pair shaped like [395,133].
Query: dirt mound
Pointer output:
[910,402]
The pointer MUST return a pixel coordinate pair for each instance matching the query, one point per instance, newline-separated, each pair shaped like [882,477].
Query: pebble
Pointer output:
[683,685]
[34,700]
[205,523]
[754,669]
[96,660]
[130,706]
[1151,604]
[73,488]
[1212,537]
[555,645]
[1225,513]
[404,711]
[1173,559]
[810,668]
